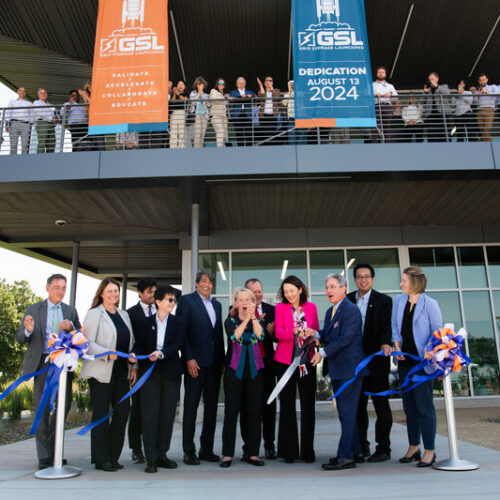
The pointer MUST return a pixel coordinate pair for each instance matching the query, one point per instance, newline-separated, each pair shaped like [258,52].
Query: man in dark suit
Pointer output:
[146,307]
[376,310]
[266,312]
[161,336]
[241,112]
[39,322]
[204,358]
[342,337]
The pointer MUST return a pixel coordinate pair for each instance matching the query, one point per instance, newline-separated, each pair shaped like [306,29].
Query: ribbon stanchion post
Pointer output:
[454,463]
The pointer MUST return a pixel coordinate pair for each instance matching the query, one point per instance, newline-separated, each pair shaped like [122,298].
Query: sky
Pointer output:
[16,267]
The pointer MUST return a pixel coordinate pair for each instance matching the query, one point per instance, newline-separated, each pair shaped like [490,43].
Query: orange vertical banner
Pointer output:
[130,73]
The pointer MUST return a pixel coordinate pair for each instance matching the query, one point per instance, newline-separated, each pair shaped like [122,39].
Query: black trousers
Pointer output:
[135,423]
[243,130]
[158,404]
[106,440]
[436,130]
[207,383]
[79,140]
[288,438]
[383,423]
[46,431]
[268,411]
[236,391]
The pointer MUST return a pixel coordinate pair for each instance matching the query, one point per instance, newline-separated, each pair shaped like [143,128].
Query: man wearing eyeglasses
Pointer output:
[270,108]
[76,121]
[375,309]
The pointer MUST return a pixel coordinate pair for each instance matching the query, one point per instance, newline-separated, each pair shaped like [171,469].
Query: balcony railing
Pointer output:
[255,122]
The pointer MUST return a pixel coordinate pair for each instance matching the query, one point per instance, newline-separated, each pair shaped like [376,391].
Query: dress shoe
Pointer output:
[106,467]
[225,464]
[415,457]
[190,458]
[45,463]
[366,452]
[117,465]
[137,457]
[379,456]
[271,454]
[427,464]
[150,468]
[257,462]
[208,456]
[166,463]
[340,463]
[359,459]
[244,457]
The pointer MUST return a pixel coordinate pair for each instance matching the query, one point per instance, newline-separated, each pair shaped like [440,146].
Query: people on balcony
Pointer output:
[18,122]
[177,107]
[241,112]
[384,93]
[485,107]
[199,111]
[464,116]
[45,117]
[76,120]
[218,112]
[437,107]
[270,110]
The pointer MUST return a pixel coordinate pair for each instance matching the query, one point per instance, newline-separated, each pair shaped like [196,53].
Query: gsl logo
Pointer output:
[130,44]
[329,38]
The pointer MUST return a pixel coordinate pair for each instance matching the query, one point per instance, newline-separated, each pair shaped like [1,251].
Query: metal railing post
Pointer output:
[444,117]
[2,124]
[253,124]
[63,130]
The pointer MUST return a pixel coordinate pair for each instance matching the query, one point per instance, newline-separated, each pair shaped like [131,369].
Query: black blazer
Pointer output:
[377,330]
[269,340]
[203,342]
[145,343]
[136,315]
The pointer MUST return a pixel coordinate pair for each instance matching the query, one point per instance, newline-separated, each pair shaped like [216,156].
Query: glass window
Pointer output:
[494,265]
[449,303]
[482,346]
[385,261]
[323,263]
[218,263]
[472,268]
[438,265]
[269,267]
[496,303]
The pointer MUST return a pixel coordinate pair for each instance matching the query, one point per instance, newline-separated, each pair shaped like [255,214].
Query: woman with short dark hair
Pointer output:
[293,316]
[415,317]
[108,328]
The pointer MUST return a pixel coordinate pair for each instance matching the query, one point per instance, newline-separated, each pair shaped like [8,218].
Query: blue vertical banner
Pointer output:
[331,62]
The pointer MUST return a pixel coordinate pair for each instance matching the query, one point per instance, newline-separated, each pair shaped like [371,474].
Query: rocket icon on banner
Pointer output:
[328,8]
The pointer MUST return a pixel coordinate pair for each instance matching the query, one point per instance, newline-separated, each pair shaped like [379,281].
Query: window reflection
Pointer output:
[323,263]
[472,269]
[438,265]
[493,254]
[218,263]
[385,261]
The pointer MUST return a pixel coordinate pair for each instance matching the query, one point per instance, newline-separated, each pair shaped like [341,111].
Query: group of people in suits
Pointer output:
[262,343]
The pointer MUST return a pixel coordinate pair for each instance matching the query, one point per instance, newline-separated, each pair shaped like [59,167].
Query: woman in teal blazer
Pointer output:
[415,317]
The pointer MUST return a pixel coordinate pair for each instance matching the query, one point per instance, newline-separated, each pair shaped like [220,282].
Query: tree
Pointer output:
[14,300]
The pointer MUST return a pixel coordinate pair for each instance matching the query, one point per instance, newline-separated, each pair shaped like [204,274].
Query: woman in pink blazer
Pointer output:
[293,316]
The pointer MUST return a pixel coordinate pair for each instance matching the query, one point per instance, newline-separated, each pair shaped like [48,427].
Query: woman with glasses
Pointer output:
[218,111]
[161,337]
[294,315]
[270,110]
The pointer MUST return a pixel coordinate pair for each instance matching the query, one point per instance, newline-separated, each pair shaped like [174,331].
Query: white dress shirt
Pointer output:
[145,308]
[362,303]
[209,307]
[23,115]
[412,112]
[161,329]
[268,108]
[75,113]
[47,112]
[383,88]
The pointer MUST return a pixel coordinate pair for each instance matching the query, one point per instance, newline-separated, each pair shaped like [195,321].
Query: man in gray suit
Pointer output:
[40,320]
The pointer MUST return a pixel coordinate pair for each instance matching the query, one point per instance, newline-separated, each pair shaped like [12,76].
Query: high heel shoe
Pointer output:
[427,464]
[415,457]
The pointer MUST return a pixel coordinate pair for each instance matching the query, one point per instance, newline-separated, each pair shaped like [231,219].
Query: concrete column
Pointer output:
[195,234]
[74,273]
[124,290]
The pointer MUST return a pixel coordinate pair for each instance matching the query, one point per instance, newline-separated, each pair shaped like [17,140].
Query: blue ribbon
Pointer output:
[419,379]
[134,389]
[20,380]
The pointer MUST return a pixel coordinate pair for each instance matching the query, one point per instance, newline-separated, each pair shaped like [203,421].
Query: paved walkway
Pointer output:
[277,480]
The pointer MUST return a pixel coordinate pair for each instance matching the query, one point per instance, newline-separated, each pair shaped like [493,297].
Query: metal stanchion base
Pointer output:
[455,464]
[64,472]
